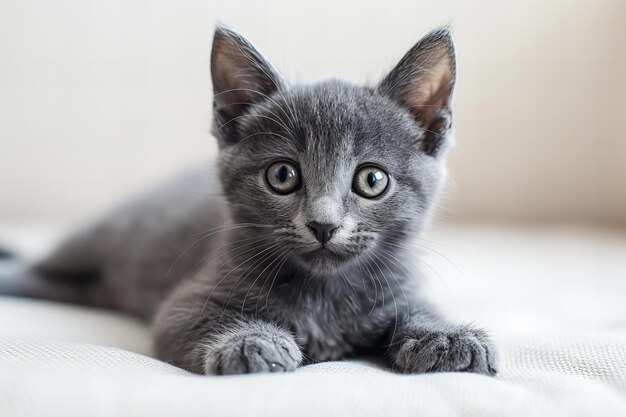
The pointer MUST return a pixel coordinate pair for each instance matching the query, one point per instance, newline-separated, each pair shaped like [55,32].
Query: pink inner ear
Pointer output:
[229,74]
[241,75]
[423,81]
[430,91]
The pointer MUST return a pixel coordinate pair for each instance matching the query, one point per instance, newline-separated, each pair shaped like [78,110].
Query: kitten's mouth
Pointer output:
[323,252]
[323,259]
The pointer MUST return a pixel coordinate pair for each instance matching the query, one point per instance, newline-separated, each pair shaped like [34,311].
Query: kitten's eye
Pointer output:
[283,177]
[370,181]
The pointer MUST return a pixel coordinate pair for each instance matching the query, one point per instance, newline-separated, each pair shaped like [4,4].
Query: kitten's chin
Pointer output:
[322,261]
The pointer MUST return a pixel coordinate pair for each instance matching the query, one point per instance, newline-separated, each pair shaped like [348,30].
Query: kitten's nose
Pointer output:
[322,231]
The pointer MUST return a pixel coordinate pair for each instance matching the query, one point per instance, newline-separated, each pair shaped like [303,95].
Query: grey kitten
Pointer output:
[301,257]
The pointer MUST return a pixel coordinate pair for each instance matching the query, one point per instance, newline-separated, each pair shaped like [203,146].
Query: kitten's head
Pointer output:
[336,172]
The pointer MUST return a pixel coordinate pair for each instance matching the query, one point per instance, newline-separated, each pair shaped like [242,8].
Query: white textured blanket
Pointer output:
[554,300]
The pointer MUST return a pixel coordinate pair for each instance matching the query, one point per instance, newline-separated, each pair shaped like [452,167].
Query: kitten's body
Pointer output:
[233,274]
[131,259]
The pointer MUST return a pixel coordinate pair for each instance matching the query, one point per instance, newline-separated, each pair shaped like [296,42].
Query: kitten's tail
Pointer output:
[20,279]
[5,254]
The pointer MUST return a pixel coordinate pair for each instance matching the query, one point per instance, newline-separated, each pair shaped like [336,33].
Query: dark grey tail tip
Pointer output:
[5,254]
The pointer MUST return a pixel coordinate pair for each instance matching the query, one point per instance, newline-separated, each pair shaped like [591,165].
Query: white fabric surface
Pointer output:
[554,301]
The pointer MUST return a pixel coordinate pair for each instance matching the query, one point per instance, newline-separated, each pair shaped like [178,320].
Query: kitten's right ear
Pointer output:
[241,77]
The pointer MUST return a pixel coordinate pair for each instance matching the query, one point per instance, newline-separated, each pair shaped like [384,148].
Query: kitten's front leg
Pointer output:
[221,341]
[251,346]
[425,343]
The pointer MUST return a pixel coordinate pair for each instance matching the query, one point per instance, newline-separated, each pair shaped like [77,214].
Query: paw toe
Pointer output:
[253,353]
[463,350]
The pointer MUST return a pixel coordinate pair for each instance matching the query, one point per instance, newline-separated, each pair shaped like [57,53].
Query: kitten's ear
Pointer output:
[423,83]
[241,77]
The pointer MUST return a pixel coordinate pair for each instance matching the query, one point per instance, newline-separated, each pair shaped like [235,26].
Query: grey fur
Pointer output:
[235,282]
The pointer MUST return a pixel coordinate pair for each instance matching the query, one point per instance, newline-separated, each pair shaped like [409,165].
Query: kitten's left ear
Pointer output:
[423,83]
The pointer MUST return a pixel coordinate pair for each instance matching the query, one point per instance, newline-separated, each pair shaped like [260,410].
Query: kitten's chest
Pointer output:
[327,330]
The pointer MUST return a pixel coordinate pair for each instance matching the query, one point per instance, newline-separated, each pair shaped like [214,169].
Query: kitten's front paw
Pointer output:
[253,351]
[458,350]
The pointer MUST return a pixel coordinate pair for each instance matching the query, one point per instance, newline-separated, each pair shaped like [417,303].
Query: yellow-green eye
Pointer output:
[283,177]
[370,181]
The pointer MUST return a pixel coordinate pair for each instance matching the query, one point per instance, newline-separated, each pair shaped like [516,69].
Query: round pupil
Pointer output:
[282,174]
[372,177]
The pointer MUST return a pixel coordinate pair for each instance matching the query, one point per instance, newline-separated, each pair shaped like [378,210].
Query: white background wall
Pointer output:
[99,98]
